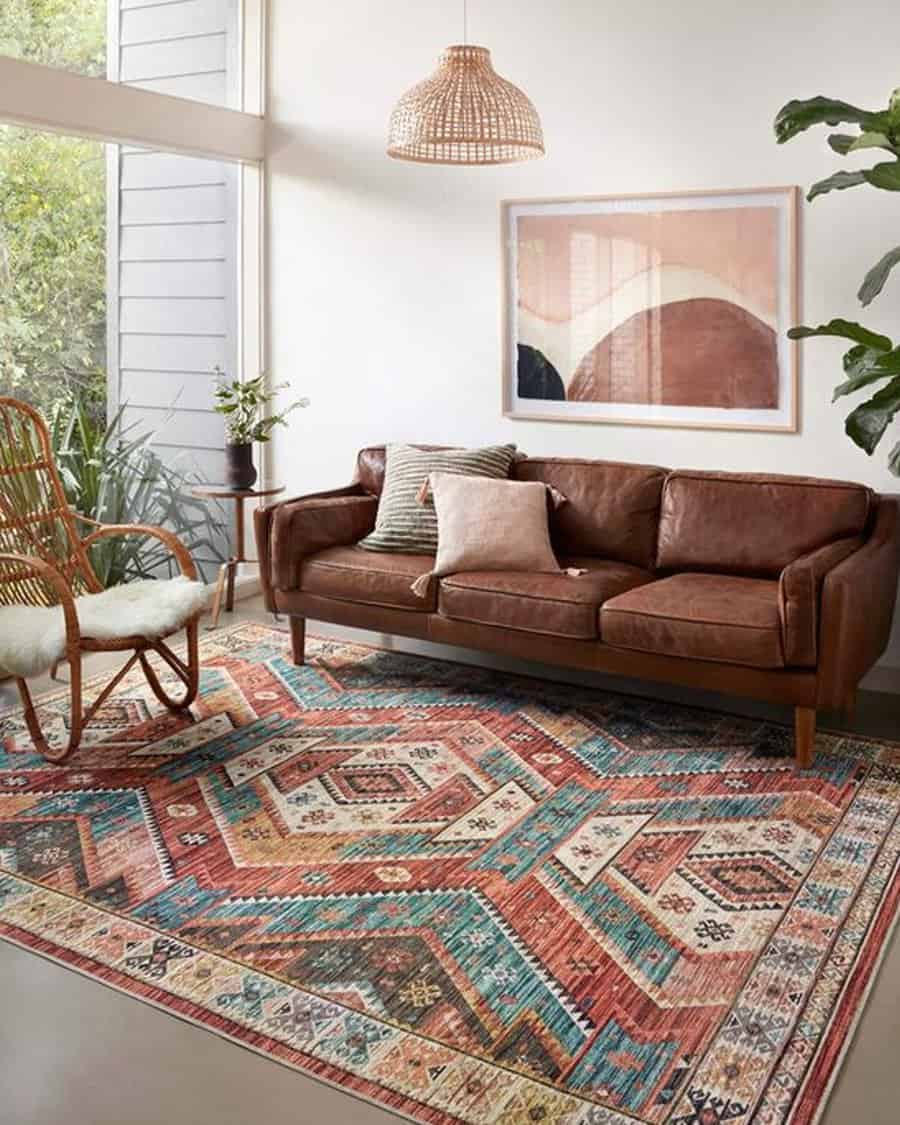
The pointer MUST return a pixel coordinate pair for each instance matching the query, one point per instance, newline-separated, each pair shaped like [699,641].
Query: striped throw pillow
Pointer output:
[402,523]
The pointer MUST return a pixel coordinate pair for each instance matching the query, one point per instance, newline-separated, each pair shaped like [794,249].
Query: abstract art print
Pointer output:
[654,309]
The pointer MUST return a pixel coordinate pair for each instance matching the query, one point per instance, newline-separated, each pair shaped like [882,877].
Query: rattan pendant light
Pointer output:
[465,113]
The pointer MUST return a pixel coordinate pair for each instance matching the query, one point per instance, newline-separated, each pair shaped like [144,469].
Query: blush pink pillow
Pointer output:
[486,524]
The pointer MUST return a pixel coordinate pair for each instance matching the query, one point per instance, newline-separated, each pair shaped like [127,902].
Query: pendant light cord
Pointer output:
[465,23]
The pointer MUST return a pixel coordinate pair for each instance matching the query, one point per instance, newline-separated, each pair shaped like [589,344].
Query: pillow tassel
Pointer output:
[422,584]
[424,493]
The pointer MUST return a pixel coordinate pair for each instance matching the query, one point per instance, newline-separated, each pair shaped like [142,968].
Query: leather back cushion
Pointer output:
[742,523]
[370,469]
[370,464]
[612,510]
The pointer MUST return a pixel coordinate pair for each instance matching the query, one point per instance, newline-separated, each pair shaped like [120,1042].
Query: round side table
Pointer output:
[228,569]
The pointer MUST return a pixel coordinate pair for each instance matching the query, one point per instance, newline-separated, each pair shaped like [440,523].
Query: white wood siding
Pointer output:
[142,169]
[212,87]
[181,427]
[173,316]
[184,277]
[199,204]
[172,241]
[191,391]
[164,243]
[154,22]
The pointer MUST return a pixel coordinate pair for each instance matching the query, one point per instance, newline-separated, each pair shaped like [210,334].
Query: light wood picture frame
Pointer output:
[662,309]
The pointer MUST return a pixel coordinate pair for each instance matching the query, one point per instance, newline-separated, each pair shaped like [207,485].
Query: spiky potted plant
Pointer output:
[872,358]
[243,406]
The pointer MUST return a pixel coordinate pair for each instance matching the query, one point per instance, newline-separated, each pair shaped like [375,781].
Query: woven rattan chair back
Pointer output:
[44,561]
[35,519]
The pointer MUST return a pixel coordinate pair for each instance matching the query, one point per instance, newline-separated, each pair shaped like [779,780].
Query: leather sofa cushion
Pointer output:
[372,577]
[371,464]
[716,617]
[554,604]
[370,467]
[612,509]
[751,524]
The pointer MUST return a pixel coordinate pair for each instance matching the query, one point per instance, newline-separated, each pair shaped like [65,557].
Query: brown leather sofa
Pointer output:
[776,587]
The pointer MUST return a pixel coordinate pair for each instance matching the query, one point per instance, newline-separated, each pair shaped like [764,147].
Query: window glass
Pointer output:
[179,47]
[118,283]
[52,268]
[69,34]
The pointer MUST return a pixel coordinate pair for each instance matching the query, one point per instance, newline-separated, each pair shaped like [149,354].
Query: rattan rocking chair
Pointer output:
[45,562]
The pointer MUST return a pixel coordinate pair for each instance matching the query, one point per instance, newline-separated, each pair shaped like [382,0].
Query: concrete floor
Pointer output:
[74,1052]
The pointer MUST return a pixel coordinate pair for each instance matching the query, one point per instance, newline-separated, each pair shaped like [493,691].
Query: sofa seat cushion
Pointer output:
[555,604]
[701,616]
[372,577]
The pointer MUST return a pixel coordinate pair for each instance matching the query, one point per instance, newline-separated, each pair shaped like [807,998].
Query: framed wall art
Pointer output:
[660,310]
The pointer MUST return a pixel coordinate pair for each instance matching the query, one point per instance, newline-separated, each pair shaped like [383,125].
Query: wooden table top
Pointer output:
[220,492]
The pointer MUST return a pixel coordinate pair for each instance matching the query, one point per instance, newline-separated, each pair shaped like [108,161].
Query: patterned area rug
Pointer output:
[463,895]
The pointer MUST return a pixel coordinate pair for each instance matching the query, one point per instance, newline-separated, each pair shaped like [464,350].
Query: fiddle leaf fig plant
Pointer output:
[243,405]
[872,358]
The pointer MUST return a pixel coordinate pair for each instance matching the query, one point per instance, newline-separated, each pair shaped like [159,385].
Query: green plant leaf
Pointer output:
[865,366]
[798,115]
[872,140]
[839,181]
[894,108]
[855,359]
[848,330]
[841,142]
[867,423]
[877,276]
[885,175]
[111,473]
[894,460]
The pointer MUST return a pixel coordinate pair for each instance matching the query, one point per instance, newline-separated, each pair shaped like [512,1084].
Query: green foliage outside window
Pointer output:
[69,34]
[53,222]
[52,268]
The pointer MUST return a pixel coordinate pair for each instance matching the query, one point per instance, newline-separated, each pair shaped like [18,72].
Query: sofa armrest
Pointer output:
[799,595]
[289,531]
[858,599]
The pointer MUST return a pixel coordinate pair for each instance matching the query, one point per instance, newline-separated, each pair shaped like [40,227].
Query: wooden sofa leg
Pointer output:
[298,639]
[804,736]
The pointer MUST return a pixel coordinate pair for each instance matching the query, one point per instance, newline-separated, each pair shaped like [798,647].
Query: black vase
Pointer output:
[240,472]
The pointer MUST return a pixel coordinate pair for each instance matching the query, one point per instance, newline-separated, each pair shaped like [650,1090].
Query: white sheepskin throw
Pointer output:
[33,639]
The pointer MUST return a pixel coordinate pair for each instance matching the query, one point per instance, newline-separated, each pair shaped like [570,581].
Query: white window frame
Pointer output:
[58,101]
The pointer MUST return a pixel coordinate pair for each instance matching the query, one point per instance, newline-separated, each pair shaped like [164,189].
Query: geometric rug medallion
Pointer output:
[464,895]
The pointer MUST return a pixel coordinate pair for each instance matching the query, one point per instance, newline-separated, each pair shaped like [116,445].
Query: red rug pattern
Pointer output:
[464,895]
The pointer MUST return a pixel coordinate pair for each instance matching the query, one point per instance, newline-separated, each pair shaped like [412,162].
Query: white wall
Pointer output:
[385,277]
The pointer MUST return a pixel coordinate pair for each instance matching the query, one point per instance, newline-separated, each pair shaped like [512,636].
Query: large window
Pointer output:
[129,254]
